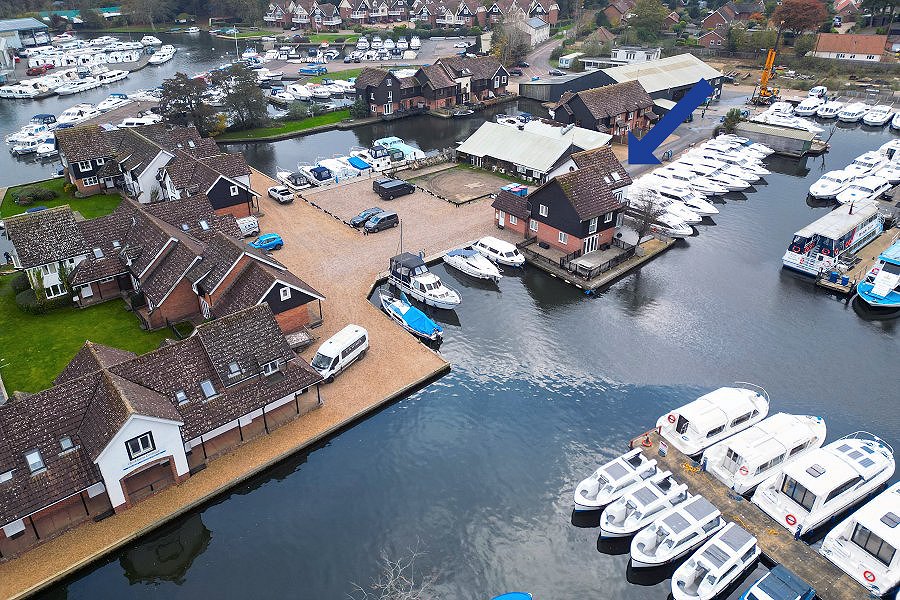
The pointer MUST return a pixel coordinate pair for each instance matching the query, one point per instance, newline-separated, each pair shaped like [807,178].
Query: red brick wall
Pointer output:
[553,16]
[293,319]
[713,21]
[546,233]
[237,211]
[518,227]
[711,41]
[181,304]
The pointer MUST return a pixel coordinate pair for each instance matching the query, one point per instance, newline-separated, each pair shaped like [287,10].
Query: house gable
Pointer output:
[560,212]
[221,194]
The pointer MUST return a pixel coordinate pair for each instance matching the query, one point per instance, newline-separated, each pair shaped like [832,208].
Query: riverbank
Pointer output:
[291,129]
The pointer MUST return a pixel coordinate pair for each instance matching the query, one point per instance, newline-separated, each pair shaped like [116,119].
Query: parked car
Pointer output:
[281,194]
[267,241]
[556,72]
[383,220]
[516,72]
[348,59]
[48,66]
[312,70]
[360,219]
[460,45]
[388,189]
[523,64]
[35,71]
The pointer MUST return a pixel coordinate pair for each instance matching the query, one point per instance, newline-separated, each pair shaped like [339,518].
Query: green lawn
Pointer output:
[287,127]
[345,75]
[90,207]
[318,38]
[35,348]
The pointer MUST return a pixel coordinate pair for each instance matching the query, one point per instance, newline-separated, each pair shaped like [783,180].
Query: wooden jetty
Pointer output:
[777,543]
[868,255]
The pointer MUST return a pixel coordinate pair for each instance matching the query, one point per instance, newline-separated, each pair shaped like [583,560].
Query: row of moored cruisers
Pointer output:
[781,463]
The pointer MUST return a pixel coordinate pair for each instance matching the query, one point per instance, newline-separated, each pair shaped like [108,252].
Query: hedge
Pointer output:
[20,282]
[28,302]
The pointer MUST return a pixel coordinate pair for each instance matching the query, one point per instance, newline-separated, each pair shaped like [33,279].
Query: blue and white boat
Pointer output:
[410,318]
[409,152]
[881,287]
[779,584]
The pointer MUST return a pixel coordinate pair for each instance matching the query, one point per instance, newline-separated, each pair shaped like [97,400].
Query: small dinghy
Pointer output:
[471,262]
[614,479]
[410,318]
[676,534]
[713,417]
[716,565]
[641,506]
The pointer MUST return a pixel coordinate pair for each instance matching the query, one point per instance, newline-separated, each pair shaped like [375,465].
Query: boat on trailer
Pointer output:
[472,263]
[713,417]
[819,246]
[676,534]
[864,545]
[881,286]
[614,479]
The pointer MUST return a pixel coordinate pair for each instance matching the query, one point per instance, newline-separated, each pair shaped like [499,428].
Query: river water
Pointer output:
[477,470]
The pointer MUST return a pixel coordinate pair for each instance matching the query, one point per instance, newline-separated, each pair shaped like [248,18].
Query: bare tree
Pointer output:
[644,210]
[398,580]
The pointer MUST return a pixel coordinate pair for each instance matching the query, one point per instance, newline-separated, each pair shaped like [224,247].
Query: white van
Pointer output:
[248,225]
[340,350]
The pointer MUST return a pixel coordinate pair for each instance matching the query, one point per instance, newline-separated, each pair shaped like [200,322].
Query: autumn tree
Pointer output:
[648,19]
[149,11]
[181,103]
[244,100]
[510,44]
[798,16]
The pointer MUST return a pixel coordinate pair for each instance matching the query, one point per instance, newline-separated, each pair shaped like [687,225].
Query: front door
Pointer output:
[590,244]
[501,218]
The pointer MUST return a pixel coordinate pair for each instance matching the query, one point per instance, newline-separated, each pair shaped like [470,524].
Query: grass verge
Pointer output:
[90,207]
[345,75]
[37,347]
[286,127]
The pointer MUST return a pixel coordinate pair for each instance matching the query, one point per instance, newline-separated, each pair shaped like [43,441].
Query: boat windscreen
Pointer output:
[462,252]
[715,555]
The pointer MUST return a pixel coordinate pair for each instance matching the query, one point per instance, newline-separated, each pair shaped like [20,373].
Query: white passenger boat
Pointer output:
[817,247]
[713,417]
[830,109]
[409,274]
[853,112]
[829,185]
[639,198]
[676,534]
[114,100]
[866,163]
[654,499]
[716,565]
[864,545]
[151,40]
[870,187]
[30,146]
[473,263]
[717,173]
[78,113]
[499,251]
[106,76]
[808,106]
[667,188]
[163,55]
[878,115]
[28,132]
[82,85]
[614,479]
[748,458]
[826,481]
[684,176]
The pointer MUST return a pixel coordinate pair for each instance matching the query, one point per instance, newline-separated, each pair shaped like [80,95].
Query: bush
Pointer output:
[359,109]
[69,188]
[28,302]
[32,194]
[557,52]
[20,282]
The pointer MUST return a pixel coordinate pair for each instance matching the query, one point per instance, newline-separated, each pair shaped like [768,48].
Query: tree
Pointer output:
[510,44]
[244,100]
[398,580]
[737,39]
[648,19]
[359,109]
[149,11]
[182,103]
[645,207]
[93,19]
[804,44]
[732,118]
[798,16]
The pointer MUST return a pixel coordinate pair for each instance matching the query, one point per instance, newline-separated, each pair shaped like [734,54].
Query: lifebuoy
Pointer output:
[801,261]
[646,443]
[790,520]
[795,249]
[869,576]
[744,471]
[671,418]
[826,251]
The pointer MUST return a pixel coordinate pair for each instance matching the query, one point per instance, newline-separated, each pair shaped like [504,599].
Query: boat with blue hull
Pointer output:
[881,287]
[411,318]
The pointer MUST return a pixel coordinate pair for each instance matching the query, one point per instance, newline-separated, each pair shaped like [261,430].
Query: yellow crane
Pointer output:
[767,95]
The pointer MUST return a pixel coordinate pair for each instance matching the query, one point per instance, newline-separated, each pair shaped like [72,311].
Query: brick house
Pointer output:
[617,10]
[511,212]
[114,423]
[847,46]
[303,14]
[713,39]
[731,12]
[386,93]
[615,109]
[279,15]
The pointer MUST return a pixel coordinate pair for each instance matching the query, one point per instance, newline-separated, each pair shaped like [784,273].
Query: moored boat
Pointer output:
[473,263]
[808,106]
[676,534]
[614,479]
[878,115]
[410,318]
[499,251]
[881,286]
[829,110]
[409,274]
[832,183]
[294,181]
[853,112]
[716,565]
[656,498]
[870,187]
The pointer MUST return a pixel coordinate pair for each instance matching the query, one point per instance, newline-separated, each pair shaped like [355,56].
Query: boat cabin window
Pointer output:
[689,538]
[710,526]
[796,492]
[747,555]
[873,544]
[715,431]
[768,465]
[843,488]
[801,447]
[682,425]
[741,419]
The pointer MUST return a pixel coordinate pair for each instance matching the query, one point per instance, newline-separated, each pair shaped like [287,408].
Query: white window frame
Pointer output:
[513,220]
[66,443]
[84,166]
[270,368]
[563,237]
[92,180]
[145,445]
[533,225]
[206,392]
[234,190]
[592,226]
[608,217]
[100,161]
[181,397]
[285,293]
[54,291]
[543,210]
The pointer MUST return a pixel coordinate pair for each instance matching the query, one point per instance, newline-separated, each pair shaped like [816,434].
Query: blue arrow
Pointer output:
[640,151]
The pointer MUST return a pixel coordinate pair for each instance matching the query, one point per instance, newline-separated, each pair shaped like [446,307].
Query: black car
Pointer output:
[556,72]
[516,72]
[360,219]
[389,189]
[523,64]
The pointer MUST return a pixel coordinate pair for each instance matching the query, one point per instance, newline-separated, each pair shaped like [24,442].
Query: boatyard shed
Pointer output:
[24,32]
[783,140]
[668,78]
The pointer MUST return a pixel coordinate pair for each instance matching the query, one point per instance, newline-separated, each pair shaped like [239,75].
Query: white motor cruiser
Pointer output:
[163,55]
[713,417]
[676,534]
[78,113]
[878,115]
[895,122]
[614,479]
[106,76]
[808,106]
[866,163]
[747,169]
[826,481]
[747,143]
[832,183]
[684,176]
[113,101]
[748,458]
[499,251]
[733,148]
[716,565]
[640,197]
[46,150]
[891,150]
[853,112]
[151,40]
[669,225]
[668,188]
[473,263]
[891,172]
[830,109]
[720,173]
[28,132]
[870,187]
[299,91]
[864,545]
[641,506]
[409,274]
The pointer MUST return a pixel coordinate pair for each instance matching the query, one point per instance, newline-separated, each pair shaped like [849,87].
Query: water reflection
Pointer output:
[785,165]
[166,554]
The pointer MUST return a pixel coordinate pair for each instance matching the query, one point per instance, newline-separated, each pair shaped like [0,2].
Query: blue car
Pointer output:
[268,241]
[312,70]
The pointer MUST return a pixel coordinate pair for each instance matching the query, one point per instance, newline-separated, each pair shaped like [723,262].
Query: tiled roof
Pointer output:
[84,143]
[512,204]
[170,270]
[849,43]
[585,189]
[607,161]
[370,76]
[436,76]
[483,67]
[92,357]
[220,256]
[408,82]
[613,100]
[45,236]
[254,280]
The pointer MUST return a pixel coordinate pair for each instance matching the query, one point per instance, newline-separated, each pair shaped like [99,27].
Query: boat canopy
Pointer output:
[463,252]
[321,173]
[892,254]
[415,318]
[405,266]
[358,163]
[840,222]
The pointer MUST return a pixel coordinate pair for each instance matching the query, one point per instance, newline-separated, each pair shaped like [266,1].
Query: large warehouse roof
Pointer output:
[665,73]
[21,24]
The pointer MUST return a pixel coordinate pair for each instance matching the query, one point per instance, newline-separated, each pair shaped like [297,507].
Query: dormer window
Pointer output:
[98,253]
[207,387]
[204,225]
[100,161]
[84,166]
[234,369]
[270,368]
[66,443]
[181,397]
[35,461]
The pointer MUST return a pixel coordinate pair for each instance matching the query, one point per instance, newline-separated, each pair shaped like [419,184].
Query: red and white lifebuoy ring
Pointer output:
[790,520]
[671,418]
[744,471]
[869,576]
